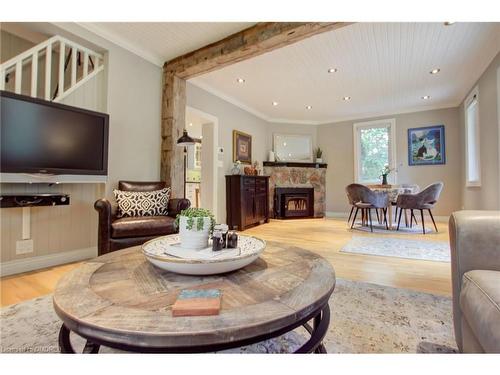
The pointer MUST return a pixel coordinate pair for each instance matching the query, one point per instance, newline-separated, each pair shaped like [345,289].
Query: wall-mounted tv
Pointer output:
[43,137]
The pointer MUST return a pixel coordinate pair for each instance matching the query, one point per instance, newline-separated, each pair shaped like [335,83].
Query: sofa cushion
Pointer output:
[142,203]
[142,226]
[480,304]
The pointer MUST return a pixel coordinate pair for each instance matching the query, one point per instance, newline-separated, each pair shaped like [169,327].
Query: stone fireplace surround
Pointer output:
[298,175]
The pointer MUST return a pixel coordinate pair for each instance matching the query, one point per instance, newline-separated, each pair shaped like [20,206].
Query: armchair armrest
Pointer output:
[175,206]
[475,245]
[106,214]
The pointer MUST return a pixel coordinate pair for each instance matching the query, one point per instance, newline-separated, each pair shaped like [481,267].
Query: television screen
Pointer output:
[38,136]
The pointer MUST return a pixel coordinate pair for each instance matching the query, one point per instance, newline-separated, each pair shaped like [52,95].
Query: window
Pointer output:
[472,155]
[374,148]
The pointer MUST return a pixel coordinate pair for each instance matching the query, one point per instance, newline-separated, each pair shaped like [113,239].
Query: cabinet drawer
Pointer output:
[248,182]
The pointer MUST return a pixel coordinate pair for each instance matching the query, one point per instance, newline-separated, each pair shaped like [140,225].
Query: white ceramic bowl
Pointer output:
[154,251]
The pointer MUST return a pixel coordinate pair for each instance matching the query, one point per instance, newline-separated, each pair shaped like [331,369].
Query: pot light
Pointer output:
[333,70]
[308,106]
[435,71]
[346,98]
[240,80]
[426,97]
[275,104]
[448,23]
[190,124]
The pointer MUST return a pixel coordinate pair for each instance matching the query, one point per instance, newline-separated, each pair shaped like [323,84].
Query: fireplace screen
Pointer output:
[294,202]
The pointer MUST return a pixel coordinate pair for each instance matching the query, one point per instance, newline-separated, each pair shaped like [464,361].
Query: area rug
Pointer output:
[399,247]
[381,229]
[365,318]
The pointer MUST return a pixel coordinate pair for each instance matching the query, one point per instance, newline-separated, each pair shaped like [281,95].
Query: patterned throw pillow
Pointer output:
[142,203]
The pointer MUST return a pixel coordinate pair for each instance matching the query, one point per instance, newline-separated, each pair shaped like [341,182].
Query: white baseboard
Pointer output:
[345,215]
[29,264]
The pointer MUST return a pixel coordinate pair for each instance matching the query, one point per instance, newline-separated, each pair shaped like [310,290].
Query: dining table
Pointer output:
[393,192]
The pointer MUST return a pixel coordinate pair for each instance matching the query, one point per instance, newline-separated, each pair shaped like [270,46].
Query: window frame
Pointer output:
[468,101]
[392,147]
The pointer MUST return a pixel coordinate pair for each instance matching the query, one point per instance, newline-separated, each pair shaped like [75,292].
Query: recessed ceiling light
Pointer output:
[308,106]
[333,70]
[449,23]
[275,104]
[240,80]
[190,124]
[346,98]
[435,71]
[426,97]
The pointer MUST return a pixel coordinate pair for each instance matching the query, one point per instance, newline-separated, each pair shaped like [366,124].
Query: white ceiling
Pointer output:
[159,42]
[383,67]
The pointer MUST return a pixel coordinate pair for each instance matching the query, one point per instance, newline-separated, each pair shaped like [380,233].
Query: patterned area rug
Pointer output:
[399,247]
[366,318]
[380,228]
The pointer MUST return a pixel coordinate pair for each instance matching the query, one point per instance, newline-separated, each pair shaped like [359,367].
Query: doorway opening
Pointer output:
[201,160]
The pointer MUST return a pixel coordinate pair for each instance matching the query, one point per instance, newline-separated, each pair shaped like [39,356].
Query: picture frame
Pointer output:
[242,147]
[426,145]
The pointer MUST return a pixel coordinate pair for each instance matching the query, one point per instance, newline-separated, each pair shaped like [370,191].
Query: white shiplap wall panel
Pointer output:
[384,67]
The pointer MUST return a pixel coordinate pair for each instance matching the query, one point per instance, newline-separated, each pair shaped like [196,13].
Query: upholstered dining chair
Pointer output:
[366,199]
[425,200]
[352,201]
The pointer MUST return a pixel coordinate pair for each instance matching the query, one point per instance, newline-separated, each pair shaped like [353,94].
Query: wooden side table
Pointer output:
[122,301]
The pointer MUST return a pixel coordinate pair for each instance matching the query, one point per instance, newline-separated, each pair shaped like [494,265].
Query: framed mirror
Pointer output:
[293,147]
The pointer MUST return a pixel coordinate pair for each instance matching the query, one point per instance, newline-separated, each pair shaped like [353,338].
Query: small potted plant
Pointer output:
[195,226]
[318,153]
[385,172]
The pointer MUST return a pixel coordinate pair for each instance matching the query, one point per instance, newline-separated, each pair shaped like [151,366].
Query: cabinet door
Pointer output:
[260,207]
[248,201]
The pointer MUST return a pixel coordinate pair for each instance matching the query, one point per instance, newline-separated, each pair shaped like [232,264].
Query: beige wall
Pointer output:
[230,118]
[485,197]
[336,140]
[130,91]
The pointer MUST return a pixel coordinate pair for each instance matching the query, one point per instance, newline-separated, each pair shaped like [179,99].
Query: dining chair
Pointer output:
[365,200]
[352,200]
[425,200]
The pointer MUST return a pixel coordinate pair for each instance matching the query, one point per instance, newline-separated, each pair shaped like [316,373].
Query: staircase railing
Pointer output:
[92,65]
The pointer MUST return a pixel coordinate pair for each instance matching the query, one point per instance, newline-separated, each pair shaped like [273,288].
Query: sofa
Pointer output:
[118,233]
[475,270]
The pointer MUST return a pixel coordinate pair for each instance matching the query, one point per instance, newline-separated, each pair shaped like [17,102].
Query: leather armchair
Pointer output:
[118,233]
[475,272]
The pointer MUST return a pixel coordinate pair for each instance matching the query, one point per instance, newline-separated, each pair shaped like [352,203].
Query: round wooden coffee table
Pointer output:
[120,300]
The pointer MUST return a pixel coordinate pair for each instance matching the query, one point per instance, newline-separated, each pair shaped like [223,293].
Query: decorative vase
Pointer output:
[319,160]
[384,179]
[271,157]
[236,169]
[193,238]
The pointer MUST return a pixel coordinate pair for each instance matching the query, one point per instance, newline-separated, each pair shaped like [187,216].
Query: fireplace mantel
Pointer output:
[293,164]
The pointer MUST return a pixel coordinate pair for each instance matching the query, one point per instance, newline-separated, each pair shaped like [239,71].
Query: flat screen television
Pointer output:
[42,137]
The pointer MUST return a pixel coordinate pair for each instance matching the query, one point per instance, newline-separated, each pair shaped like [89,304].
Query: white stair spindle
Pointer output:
[85,64]
[34,74]
[19,76]
[48,70]
[62,55]
[73,65]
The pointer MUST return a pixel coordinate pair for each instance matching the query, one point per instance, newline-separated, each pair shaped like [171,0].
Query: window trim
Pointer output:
[468,101]
[392,147]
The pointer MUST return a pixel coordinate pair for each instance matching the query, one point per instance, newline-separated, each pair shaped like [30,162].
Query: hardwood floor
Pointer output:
[324,236]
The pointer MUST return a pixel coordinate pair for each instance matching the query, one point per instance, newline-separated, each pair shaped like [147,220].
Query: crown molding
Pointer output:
[333,120]
[121,42]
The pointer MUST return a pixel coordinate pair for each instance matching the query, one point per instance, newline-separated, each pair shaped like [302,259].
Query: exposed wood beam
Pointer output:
[246,44]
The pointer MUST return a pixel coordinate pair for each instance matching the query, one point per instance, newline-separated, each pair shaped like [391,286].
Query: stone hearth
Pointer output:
[284,176]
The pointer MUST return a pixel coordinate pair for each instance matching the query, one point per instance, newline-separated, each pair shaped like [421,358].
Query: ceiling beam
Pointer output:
[246,44]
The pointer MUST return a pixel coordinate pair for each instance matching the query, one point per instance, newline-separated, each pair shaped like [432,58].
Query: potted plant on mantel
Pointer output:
[195,226]
[318,153]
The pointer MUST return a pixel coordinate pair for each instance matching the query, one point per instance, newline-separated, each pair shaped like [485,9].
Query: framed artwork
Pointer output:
[242,147]
[426,146]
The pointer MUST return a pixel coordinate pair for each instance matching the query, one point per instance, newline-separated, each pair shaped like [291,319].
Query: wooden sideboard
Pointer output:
[247,200]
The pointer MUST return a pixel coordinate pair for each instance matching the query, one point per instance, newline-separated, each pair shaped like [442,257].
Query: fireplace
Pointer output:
[293,202]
